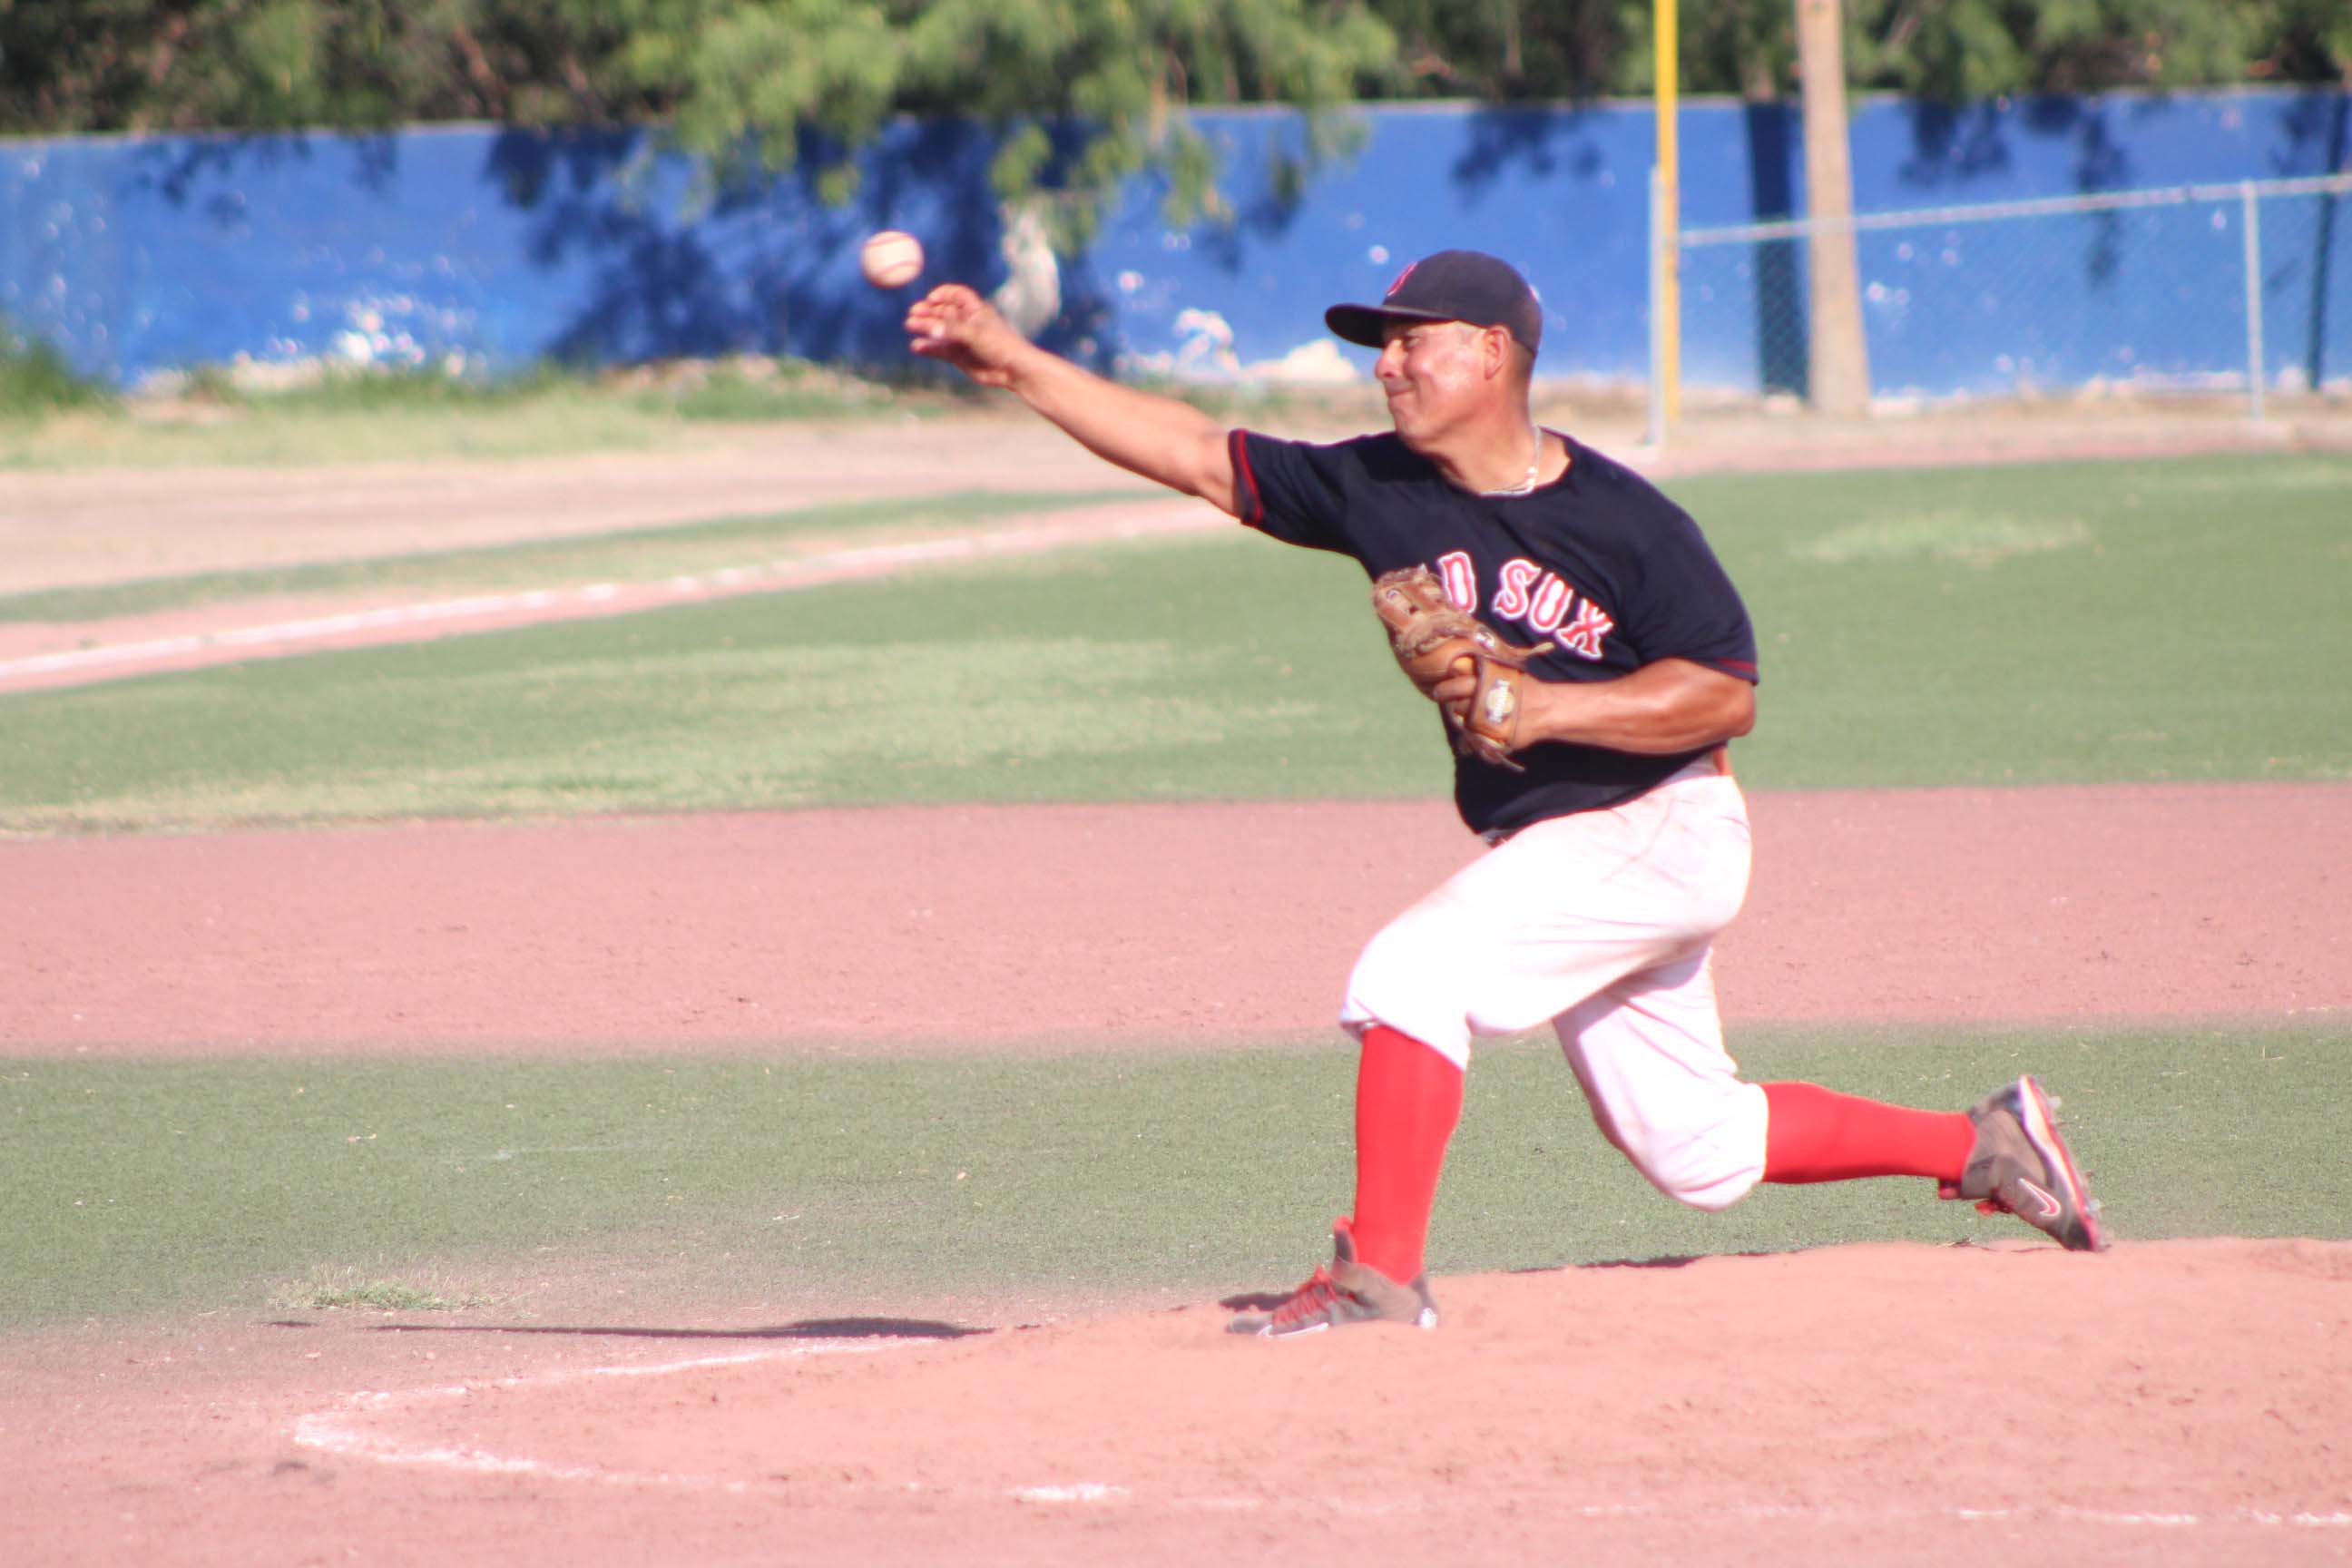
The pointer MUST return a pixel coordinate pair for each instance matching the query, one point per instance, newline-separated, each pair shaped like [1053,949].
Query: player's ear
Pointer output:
[1495,350]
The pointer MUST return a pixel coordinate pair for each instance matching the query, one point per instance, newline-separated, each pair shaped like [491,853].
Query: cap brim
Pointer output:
[1368,324]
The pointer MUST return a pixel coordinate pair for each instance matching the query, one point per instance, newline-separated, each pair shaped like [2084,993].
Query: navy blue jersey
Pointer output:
[1599,563]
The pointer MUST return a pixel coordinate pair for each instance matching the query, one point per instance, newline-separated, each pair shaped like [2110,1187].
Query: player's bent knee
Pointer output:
[1448,1036]
[1415,991]
[1708,1190]
[1708,1167]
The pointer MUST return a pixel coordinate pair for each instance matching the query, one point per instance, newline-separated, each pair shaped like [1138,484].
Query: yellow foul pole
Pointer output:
[1667,222]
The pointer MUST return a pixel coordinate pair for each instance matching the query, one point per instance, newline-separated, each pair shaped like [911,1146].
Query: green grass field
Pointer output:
[2150,621]
[147,1187]
[2005,626]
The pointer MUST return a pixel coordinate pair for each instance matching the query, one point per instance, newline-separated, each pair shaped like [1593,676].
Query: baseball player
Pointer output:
[1591,661]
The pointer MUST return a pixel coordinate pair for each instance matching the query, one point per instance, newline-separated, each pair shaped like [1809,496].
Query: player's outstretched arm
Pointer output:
[1164,440]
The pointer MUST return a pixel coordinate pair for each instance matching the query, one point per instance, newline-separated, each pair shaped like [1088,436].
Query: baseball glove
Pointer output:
[1433,638]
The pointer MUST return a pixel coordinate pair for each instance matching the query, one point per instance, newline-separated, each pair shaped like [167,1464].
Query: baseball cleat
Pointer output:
[1346,1292]
[2020,1166]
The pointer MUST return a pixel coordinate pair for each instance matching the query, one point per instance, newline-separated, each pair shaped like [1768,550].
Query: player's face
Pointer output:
[1436,375]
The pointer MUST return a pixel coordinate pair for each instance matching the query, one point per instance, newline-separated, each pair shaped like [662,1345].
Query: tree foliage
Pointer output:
[778,84]
[1948,49]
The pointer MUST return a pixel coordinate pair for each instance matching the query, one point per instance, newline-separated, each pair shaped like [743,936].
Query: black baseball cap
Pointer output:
[1451,286]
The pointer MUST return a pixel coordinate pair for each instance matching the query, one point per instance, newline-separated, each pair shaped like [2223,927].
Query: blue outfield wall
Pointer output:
[498,248]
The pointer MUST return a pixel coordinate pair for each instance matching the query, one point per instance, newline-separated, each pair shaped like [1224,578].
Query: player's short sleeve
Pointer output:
[1687,608]
[1293,491]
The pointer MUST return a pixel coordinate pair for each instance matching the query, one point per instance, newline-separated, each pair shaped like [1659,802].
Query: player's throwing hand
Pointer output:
[953,323]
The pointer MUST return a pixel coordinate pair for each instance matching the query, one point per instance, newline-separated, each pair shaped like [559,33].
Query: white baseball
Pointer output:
[891,260]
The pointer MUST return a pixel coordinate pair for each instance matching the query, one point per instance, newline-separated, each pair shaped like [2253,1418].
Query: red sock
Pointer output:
[1408,1098]
[1816,1134]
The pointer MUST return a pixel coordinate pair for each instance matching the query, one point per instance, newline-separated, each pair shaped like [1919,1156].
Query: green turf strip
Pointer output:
[2009,626]
[135,1187]
[2179,619]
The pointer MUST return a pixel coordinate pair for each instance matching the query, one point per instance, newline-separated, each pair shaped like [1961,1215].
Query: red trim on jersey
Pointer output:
[1250,507]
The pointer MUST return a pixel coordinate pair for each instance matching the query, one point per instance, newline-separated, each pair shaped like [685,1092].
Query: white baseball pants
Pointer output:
[1600,923]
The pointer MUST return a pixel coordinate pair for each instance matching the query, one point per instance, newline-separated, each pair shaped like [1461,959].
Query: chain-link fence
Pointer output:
[2238,289]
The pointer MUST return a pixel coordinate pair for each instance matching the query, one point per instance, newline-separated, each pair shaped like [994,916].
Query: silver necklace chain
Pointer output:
[1526,485]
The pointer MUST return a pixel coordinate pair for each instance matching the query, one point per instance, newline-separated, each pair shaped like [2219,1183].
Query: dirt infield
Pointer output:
[2169,1402]
[2177,1402]
[1103,924]
[1856,1405]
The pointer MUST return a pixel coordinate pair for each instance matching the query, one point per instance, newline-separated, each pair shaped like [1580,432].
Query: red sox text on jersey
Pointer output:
[1542,600]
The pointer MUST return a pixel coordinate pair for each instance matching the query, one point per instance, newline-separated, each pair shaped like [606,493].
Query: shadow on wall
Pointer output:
[1272,171]
[586,247]
[176,168]
[675,265]
[1525,142]
[1784,353]
[1951,146]
[669,268]
[2317,130]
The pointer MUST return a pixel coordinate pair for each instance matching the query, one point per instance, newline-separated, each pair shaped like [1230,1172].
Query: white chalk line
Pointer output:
[609,599]
[340,1431]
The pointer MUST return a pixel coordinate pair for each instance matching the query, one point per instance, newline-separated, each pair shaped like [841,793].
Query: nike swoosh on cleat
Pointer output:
[2051,1207]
